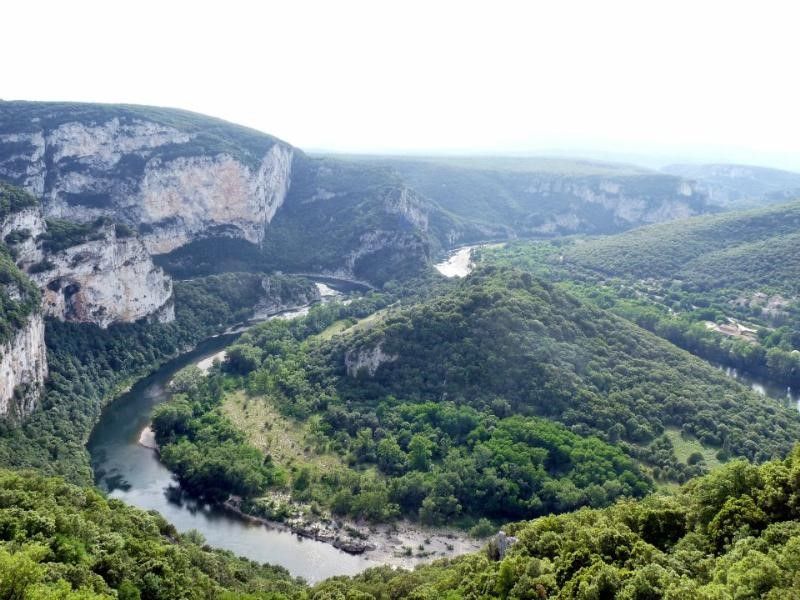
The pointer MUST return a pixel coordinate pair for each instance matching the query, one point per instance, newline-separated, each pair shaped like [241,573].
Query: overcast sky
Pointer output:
[714,80]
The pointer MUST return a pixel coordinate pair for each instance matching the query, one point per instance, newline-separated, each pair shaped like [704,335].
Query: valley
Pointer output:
[320,363]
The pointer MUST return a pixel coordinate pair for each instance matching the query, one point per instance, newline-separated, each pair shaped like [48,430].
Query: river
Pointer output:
[132,473]
[459,262]
[781,393]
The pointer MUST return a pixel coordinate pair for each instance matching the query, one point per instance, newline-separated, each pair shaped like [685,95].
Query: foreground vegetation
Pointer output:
[732,534]
[61,542]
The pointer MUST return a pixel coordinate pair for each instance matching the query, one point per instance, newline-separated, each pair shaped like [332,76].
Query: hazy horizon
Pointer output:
[622,81]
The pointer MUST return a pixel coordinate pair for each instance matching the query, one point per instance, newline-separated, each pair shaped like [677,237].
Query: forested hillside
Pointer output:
[724,287]
[732,250]
[529,196]
[502,397]
[732,534]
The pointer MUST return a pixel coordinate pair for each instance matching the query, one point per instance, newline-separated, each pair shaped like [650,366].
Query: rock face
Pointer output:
[741,185]
[104,281]
[168,173]
[23,368]
[618,205]
[532,197]
[279,297]
[192,197]
[366,360]
[19,231]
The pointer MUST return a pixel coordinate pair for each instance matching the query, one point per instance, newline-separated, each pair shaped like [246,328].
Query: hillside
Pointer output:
[732,534]
[724,287]
[502,334]
[502,397]
[740,185]
[729,250]
[535,197]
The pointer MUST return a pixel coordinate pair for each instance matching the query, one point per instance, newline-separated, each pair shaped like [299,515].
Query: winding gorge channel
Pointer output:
[132,473]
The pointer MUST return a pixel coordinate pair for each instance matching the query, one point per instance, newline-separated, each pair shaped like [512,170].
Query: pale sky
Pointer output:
[713,80]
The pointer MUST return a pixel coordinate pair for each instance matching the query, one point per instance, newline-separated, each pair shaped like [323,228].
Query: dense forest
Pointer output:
[501,397]
[62,542]
[734,533]
[723,287]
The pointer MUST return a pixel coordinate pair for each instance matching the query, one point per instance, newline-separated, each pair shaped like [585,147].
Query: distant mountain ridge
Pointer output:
[179,179]
[543,197]
[740,185]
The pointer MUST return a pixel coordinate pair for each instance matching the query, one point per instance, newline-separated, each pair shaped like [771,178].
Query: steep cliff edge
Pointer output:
[95,273]
[105,279]
[23,368]
[23,364]
[173,175]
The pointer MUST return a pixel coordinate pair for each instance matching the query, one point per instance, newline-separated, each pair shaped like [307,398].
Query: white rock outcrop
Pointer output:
[151,176]
[23,368]
[625,206]
[27,224]
[104,281]
[367,359]
[187,197]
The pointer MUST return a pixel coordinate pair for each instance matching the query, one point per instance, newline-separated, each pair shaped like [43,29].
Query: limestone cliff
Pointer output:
[20,231]
[611,205]
[23,368]
[170,174]
[532,196]
[366,360]
[104,280]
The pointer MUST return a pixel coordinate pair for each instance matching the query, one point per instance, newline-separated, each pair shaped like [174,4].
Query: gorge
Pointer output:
[468,386]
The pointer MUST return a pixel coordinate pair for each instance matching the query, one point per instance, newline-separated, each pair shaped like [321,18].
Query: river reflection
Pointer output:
[783,394]
[133,473]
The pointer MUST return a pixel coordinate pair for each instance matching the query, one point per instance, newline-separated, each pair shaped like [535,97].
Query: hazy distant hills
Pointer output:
[531,196]
[207,195]
[741,185]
